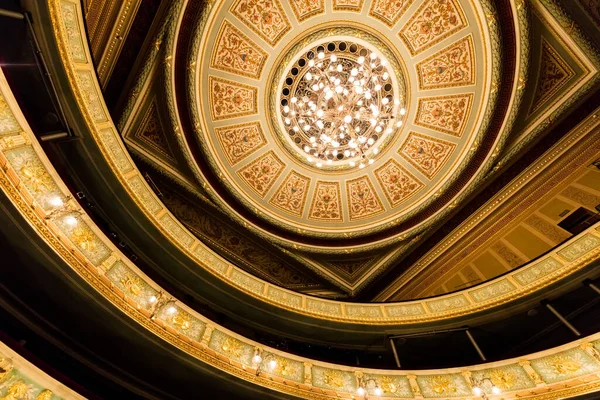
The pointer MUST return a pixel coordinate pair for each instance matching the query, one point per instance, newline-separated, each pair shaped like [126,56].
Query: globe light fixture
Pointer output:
[55,201]
[482,386]
[363,383]
[259,361]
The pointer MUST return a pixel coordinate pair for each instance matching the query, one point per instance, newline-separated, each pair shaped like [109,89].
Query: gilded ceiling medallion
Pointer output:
[330,129]
[339,103]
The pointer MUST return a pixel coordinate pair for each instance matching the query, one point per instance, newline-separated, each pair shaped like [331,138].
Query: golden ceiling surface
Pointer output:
[443,67]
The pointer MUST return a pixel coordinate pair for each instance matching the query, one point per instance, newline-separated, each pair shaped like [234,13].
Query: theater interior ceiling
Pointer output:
[300,198]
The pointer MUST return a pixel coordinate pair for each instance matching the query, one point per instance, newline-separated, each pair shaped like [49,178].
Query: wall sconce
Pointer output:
[363,384]
[259,361]
[479,387]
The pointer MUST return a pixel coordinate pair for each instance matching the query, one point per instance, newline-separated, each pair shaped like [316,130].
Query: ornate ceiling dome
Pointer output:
[345,122]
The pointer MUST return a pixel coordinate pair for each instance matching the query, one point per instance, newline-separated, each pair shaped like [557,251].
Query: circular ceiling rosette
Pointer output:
[345,123]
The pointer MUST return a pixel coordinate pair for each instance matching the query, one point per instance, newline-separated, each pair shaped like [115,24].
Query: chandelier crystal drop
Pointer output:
[340,104]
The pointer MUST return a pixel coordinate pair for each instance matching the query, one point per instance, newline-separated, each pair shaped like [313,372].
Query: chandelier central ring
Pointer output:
[339,102]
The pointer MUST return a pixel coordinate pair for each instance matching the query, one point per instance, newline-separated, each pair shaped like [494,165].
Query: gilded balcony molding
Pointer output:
[22,380]
[67,22]
[30,182]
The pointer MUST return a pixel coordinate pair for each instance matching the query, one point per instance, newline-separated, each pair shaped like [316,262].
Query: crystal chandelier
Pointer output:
[341,105]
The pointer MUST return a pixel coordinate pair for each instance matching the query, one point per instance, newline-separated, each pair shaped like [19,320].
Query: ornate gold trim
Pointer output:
[113,150]
[198,336]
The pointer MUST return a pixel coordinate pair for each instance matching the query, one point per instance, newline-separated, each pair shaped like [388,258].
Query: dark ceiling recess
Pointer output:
[146,14]
[580,220]
[23,65]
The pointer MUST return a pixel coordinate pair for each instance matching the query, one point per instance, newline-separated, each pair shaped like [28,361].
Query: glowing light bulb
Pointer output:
[152,299]
[361,60]
[55,201]
[171,310]
[348,119]
[378,391]
[257,359]
[321,55]
[71,220]
[496,390]
[361,391]
[477,391]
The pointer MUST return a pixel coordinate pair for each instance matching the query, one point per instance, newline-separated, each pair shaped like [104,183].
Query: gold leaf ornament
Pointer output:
[45,395]
[504,380]
[182,321]
[84,238]
[232,347]
[386,384]
[443,385]
[334,379]
[562,365]
[133,284]
[36,176]
[17,391]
